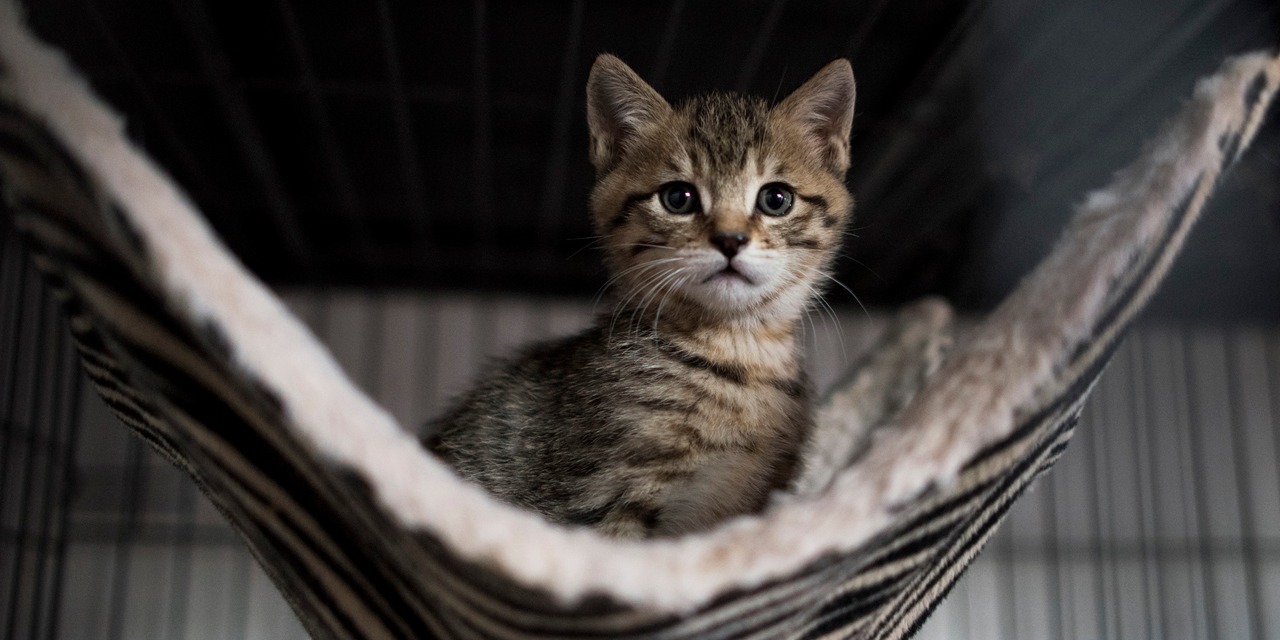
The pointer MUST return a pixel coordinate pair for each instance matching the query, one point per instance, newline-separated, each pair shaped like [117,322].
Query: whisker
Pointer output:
[594,241]
[842,286]
[865,266]
[657,317]
[783,76]
[596,302]
[826,312]
[622,306]
[651,246]
[624,272]
[655,290]
[838,328]
[813,328]
[652,288]
[844,255]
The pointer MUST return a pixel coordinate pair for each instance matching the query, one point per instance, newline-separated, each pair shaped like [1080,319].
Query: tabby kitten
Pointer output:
[686,403]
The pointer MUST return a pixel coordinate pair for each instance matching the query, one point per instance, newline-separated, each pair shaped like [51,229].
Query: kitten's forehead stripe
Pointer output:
[765,164]
[723,128]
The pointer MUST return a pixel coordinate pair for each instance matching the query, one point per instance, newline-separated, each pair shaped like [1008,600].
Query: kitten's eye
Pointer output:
[775,200]
[679,198]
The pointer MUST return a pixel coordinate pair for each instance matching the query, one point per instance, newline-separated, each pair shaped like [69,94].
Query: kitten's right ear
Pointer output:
[619,106]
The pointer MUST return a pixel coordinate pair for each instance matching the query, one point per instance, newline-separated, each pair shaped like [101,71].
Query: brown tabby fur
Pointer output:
[687,403]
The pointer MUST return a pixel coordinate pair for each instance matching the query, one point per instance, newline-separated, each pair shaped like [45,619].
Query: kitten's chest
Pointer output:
[741,463]
[733,451]
[712,425]
[718,394]
[750,416]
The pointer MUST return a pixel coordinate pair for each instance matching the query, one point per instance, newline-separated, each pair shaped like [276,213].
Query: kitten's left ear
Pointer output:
[823,106]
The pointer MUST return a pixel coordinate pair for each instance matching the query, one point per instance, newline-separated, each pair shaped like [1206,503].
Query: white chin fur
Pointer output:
[752,277]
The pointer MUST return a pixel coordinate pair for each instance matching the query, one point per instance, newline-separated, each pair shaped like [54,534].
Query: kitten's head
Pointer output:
[721,205]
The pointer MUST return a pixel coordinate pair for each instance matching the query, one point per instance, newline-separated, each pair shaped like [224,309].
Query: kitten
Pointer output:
[687,403]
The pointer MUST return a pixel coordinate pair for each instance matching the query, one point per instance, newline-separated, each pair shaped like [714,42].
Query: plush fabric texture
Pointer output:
[919,453]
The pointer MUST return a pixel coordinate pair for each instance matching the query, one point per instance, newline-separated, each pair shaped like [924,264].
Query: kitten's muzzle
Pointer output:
[729,272]
[729,242]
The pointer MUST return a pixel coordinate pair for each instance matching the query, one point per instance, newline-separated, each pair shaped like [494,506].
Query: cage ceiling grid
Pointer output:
[444,145]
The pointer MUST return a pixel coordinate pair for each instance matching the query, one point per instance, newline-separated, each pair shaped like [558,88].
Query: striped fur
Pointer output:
[353,566]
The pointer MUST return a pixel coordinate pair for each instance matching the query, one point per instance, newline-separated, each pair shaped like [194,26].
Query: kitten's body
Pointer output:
[687,404]
[633,433]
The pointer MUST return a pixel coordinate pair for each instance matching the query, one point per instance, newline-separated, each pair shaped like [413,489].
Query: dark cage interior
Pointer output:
[413,177]
[443,144]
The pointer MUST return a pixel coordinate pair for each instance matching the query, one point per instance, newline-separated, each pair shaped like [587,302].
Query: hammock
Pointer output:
[919,453]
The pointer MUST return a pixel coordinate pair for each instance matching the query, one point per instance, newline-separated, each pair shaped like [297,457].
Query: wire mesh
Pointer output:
[391,143]
[39,392]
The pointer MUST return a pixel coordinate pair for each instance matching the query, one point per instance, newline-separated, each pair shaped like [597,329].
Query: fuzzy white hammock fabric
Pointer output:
[919,454]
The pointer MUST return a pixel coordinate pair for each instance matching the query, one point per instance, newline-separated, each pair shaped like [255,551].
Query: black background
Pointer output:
[442,145]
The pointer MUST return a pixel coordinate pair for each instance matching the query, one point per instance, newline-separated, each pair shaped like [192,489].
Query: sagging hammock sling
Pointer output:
[919,453]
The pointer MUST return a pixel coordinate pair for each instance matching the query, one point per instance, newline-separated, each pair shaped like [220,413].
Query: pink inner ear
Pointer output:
[828,132]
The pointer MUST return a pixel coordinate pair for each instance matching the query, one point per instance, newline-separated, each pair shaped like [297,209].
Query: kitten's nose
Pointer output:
[728,242]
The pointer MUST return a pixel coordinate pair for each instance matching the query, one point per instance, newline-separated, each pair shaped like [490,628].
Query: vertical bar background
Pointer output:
[39,398]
